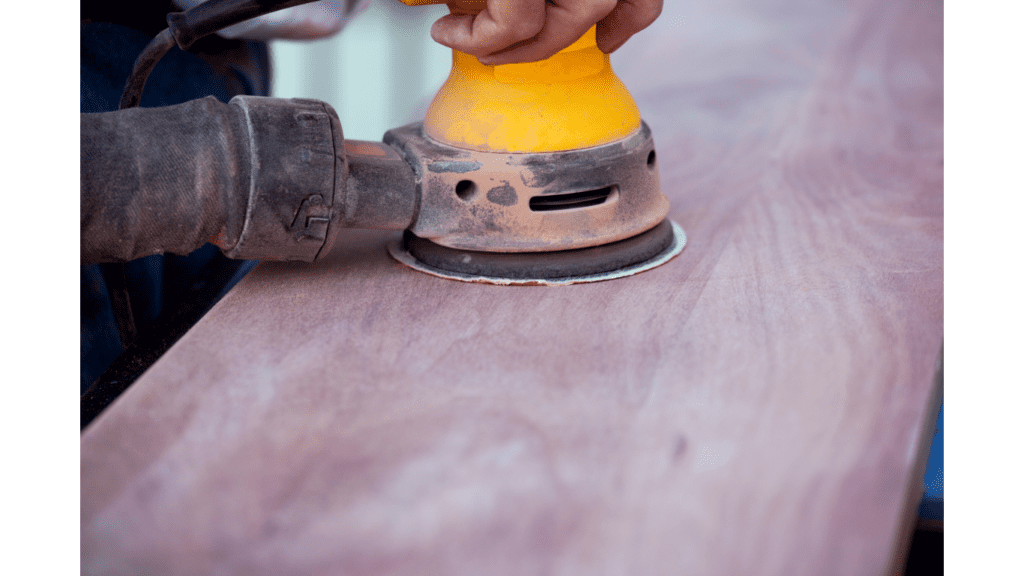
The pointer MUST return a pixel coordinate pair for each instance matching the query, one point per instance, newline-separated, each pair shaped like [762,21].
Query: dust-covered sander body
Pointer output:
[534,173]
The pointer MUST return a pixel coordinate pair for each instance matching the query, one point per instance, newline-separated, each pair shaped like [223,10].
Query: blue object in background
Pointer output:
[931,502]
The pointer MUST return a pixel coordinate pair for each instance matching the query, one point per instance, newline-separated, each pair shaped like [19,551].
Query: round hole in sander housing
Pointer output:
[622,258]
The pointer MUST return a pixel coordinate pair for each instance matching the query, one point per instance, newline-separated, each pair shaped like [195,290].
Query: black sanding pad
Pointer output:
[623,258]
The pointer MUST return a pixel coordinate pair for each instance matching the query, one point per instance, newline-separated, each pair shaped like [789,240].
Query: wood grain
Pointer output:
[755,406]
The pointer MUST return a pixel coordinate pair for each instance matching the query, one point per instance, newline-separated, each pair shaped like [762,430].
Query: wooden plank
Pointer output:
[756,406]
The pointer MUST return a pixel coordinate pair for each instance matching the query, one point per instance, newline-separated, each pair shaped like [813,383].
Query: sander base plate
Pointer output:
[627,257]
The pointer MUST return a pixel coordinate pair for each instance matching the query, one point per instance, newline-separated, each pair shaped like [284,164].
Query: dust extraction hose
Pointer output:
[262,178]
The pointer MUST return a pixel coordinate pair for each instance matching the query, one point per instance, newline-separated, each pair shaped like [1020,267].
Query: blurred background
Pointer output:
[380,72]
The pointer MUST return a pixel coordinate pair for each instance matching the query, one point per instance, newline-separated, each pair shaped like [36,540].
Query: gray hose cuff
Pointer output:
[296,167]
[259,177]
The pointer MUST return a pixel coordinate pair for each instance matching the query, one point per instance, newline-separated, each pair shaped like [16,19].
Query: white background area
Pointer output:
[380,72]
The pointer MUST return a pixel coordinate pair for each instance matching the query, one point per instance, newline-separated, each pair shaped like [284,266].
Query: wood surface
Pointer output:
[756,406]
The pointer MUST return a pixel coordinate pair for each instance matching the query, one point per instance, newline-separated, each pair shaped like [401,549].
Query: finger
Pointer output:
[628,18]
[502,24]
[566,21]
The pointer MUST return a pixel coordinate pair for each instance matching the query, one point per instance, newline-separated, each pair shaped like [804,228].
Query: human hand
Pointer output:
[509,31]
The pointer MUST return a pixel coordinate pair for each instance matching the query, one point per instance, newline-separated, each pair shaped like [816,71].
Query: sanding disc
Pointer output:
[615,260]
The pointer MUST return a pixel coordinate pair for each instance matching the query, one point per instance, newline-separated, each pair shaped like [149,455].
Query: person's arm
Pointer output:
[509,31]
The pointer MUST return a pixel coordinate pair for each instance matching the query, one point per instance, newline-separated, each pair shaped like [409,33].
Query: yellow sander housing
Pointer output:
[534,173]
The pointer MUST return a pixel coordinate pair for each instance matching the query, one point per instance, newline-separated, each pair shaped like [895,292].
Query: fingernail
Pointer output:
[437,31]
[613,47]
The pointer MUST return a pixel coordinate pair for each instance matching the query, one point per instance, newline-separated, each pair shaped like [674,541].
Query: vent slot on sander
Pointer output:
[549,202]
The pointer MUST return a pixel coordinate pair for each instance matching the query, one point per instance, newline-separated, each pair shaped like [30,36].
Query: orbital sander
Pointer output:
[534,173]
[530,173]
